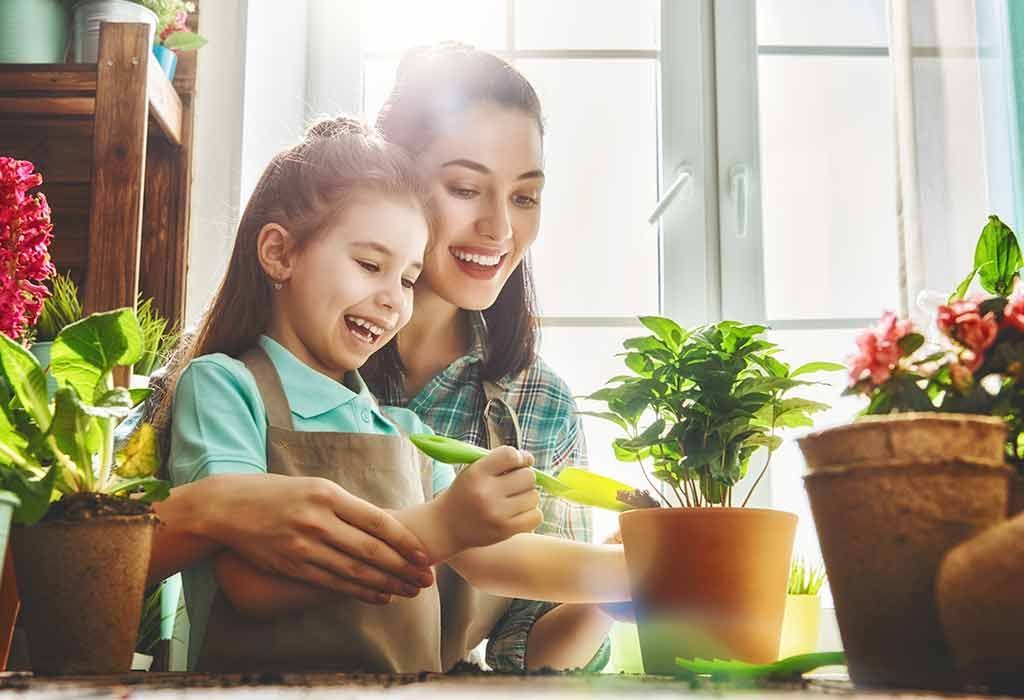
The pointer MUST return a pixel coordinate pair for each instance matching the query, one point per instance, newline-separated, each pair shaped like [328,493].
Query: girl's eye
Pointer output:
[525,202]
[369,266]
[462,192]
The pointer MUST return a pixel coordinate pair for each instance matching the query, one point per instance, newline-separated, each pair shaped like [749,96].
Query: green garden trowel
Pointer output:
[791,668]
[572,484]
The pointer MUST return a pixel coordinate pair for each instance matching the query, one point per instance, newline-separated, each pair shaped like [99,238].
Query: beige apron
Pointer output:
[346,635]
[470,614]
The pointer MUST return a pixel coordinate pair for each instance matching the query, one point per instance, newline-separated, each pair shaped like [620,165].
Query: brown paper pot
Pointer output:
[81,586]
[708,582]
[1016,495]
[982,609]
[890,496]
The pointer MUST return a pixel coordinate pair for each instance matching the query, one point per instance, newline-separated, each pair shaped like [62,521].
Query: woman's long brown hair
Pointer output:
[303,189]
[434,86]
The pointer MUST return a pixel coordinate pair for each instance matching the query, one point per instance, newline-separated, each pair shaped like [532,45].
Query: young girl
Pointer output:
[321,276]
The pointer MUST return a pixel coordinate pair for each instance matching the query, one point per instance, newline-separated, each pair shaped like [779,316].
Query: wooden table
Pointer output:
[468,685]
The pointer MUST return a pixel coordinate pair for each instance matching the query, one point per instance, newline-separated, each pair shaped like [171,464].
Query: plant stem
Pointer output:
[644,472]
[679,495]
[758,480]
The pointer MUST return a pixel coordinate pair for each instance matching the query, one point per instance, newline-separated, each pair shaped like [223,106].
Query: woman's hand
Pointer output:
[314,531]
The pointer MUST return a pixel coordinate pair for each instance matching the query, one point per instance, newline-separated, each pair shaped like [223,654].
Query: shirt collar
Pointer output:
[309,392]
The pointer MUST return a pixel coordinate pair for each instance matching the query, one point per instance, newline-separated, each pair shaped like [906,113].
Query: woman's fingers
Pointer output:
[381,525]
[338,571]
[348,543]
[325,579]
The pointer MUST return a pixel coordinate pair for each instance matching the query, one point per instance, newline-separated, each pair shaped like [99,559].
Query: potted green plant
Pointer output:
[924,470]
[172,32]
[84,527]
[698,405]
[802,619]
[159,338]
[60,309]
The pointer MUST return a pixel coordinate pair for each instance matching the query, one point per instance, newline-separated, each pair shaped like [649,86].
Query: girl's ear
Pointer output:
[275,248]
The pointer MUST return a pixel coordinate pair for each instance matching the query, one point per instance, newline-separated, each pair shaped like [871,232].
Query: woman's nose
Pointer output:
[496,223]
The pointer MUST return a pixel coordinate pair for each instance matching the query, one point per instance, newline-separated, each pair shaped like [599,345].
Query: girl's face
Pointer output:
[485,176]
[349,290]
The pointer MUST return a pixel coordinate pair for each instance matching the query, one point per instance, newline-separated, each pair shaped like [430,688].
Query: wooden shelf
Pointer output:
[113,141]
[63,89]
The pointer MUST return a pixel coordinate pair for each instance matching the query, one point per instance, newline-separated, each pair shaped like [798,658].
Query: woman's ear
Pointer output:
[275,248]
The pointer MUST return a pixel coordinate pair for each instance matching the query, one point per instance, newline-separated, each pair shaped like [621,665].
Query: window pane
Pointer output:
[822,23]
[396,25]
[378,80]
[601,166]
[587,24]
[828,186]
[937,23]
[585,373]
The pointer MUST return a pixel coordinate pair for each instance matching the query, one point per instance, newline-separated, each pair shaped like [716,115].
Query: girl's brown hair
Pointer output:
[303,189]
[435,85]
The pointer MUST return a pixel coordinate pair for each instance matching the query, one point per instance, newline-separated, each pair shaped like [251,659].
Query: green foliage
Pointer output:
[804,578]
[715,394]
[60,309]
[997,260]
[49,449]
[158,339]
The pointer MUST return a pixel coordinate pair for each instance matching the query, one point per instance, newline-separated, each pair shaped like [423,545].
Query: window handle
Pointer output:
[738,183]
[684,173]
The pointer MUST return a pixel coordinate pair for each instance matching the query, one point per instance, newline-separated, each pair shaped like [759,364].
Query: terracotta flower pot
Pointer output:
[81,586]
[708,582]
[890,496]
[981,607]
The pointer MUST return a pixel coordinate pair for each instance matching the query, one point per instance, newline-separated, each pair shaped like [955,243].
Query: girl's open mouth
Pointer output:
[478,265]
[363,330]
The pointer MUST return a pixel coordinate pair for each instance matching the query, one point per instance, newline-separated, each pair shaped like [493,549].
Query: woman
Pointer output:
[467,362]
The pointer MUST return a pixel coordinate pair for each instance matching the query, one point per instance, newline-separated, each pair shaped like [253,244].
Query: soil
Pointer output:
[76,507]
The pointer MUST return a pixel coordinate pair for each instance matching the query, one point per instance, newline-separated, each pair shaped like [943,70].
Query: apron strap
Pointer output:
[268,381]
[500,419]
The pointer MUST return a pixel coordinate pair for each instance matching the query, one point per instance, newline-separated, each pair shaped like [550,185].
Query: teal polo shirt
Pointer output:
[219,426]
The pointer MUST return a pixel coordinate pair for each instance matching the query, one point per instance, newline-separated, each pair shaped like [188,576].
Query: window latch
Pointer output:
[684,174]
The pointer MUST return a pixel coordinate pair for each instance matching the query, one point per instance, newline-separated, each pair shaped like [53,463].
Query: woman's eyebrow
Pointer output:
[484,170]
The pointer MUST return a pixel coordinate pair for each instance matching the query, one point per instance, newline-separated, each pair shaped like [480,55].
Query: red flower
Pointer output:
[879,350]
[25,235]
[1013,312]
[962,321]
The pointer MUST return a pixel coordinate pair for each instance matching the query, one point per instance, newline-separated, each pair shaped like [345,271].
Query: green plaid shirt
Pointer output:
[452,404]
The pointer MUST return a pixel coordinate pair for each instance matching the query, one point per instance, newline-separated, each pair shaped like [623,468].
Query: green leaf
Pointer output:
[137,396]
[623,453]
[85,352]
[666,329]
[910,343]
[153,489]
[997,257]
[962,288]
[35,494]
[26,378]
[70,430]
[184,41]
[645,343]
[140,456]
[639,363]
[812,367]
[604,415]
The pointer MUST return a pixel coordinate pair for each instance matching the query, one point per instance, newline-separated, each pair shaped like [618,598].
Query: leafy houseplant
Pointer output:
[710,397]
[172,32]
[924,470]
[158,338]
[82,550]
[803,609]
[60,309]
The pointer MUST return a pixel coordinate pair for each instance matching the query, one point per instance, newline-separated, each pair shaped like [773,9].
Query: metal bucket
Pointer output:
[86,24]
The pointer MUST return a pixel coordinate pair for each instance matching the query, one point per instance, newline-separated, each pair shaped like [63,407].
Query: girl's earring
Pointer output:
[278,285]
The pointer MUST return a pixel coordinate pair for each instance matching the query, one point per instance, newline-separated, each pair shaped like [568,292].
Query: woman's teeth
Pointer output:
[484,260]
[363,329]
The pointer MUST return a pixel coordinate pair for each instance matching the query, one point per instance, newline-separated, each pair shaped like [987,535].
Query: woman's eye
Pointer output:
[369,266]
[462,192]
[524,201]
[408,283]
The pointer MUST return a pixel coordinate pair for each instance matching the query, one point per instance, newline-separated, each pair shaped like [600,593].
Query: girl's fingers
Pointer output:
[518,482]
[347,541]
[382,525]
[527,521]
[337,571]
[516,505]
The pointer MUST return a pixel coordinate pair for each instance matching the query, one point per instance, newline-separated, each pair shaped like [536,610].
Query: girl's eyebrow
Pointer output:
[382,249]
[484,170]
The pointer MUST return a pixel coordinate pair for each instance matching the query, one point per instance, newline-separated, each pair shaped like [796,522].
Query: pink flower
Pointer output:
[25,235]
[1013,312]
[879,350]
[962,321]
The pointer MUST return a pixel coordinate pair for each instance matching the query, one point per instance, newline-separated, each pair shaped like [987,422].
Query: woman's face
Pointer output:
[485,175]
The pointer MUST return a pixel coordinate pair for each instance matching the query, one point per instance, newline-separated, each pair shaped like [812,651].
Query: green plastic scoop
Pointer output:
[790,668]
[572,484]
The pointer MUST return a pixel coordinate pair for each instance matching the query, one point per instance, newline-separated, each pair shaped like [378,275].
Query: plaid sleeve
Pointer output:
[506,647]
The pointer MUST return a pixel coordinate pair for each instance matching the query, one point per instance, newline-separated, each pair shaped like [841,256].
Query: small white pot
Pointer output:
[141,662]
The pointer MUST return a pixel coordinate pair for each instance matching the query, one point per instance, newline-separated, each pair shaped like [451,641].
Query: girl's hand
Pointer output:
[312,530]
[491,500]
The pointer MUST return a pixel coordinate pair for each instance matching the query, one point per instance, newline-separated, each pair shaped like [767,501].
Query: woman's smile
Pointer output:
[478,263]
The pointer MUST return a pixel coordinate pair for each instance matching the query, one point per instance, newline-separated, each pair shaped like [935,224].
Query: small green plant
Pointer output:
[52,449]
[61,309]
[714,395]
[152,618]
[157,339]
[804,578]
